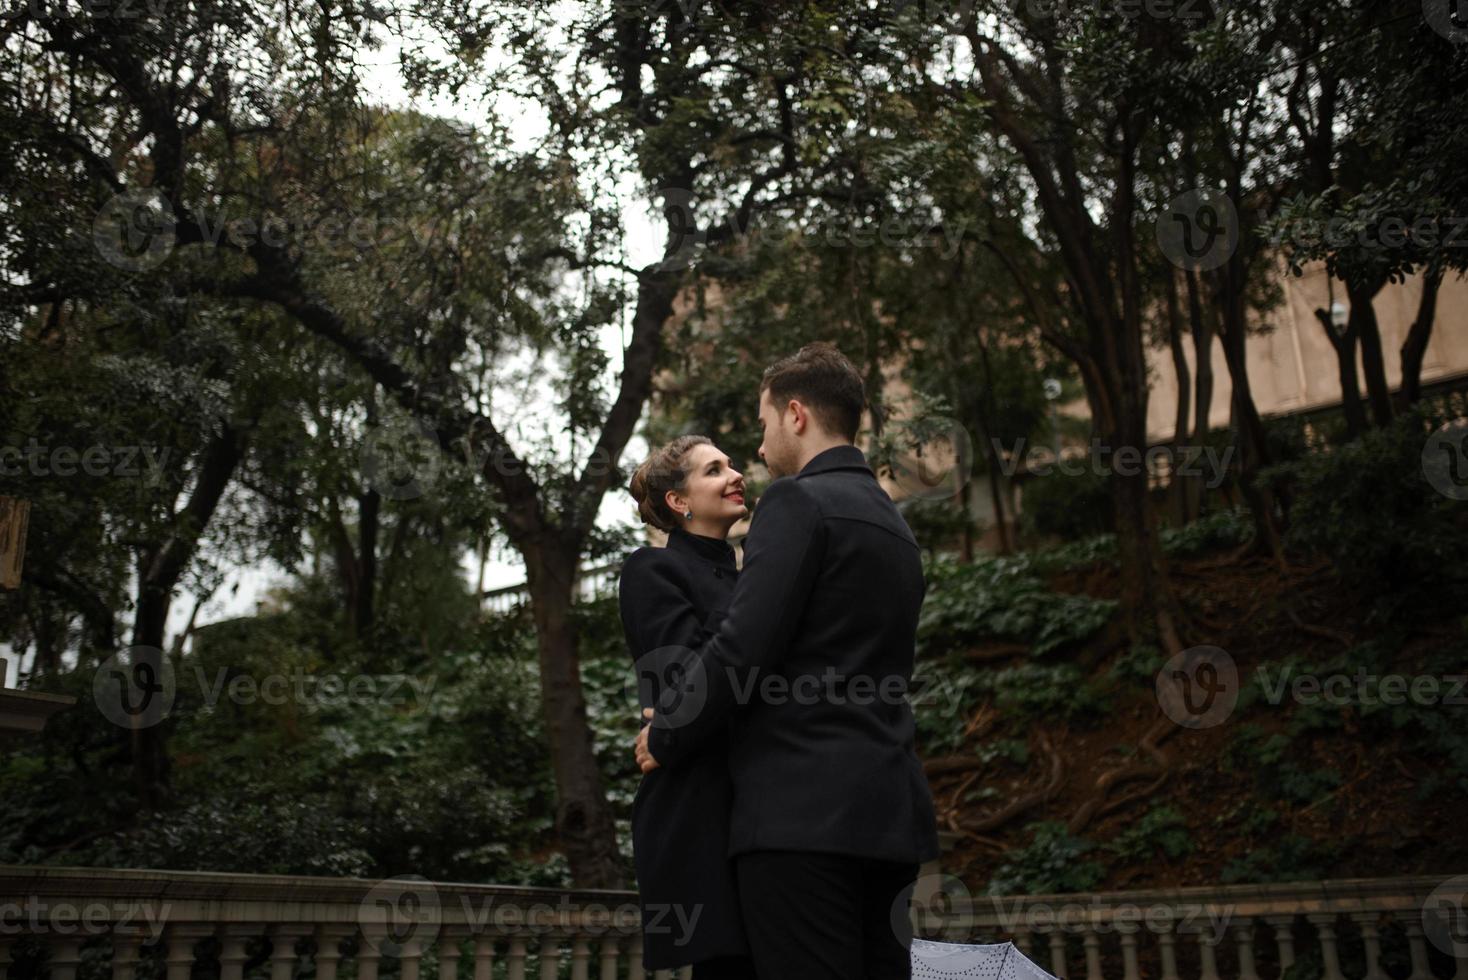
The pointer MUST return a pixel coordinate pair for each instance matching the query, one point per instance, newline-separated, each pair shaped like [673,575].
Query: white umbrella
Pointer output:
[998,961]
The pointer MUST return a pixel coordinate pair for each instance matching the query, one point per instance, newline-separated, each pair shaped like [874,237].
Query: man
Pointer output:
[832,814]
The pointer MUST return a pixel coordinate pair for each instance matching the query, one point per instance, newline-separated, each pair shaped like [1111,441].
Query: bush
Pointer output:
[1051,863]
[1066,506]
[1368,506]
[1003,598]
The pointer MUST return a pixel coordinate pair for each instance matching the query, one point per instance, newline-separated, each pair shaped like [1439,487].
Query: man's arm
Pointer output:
[782,557]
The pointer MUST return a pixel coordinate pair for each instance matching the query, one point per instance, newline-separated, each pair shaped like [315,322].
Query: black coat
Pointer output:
[670,598]
[812,662]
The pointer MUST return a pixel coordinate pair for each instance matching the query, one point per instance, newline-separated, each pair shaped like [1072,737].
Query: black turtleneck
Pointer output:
[716,550]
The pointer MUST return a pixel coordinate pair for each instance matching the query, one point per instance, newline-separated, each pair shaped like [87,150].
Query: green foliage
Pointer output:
[1141,662]
[1005,599]
[1067,506]
[946,693]
[1053,862]
[1290,857]
[1368,506]
[1214,531]
[1162,832]
[435,765]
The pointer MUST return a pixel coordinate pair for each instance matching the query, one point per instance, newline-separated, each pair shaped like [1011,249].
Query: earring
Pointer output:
[688,515]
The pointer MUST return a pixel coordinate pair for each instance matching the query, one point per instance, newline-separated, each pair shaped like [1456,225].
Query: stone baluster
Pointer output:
[483,957]
[1167,950]
[329,949]
[66,953]
[450,952]
[1418,947]
[1284,938]
[686,973]
[580,958]
[181,941]
[1244,943]
[233,939]
[634,959]
[4,957]
[410,956]
[662,975]
[1057,952]
[549,956]
[515,959]
[1369,923]
[1127,934]
[609,958]
[126,948]
[1092,943]
[1329,951]
[283,941]
[1024,941]
[369,952]
[1208,941]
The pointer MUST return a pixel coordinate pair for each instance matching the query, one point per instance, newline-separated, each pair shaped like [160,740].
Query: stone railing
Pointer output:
[180,925]
[1217,932]
[270,923]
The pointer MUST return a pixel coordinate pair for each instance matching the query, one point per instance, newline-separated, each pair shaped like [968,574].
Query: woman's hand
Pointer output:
[645,761]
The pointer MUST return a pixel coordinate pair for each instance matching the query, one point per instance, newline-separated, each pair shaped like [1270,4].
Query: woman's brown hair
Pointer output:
[660,472]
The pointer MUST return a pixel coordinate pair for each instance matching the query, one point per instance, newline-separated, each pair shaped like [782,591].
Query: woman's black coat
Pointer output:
[671,600]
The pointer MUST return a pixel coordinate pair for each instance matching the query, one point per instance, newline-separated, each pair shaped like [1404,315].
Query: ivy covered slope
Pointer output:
[1049,754]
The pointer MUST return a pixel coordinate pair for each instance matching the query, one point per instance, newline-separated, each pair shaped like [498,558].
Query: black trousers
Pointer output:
[812,916]
[724,968]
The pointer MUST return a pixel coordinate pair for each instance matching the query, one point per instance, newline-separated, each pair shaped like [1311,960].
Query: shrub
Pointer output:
[1065,505]
[1368,506]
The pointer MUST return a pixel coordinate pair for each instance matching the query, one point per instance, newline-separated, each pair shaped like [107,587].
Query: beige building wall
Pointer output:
[1291,363]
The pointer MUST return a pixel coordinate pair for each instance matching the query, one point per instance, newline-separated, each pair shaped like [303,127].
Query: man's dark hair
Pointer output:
[820,377]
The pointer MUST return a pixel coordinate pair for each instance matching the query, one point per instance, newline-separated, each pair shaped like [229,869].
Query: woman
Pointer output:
[671,600]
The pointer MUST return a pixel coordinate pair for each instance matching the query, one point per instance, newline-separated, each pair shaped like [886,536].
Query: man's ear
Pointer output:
[801,416]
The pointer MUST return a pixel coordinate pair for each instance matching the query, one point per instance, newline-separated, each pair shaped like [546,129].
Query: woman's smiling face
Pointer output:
[713,490]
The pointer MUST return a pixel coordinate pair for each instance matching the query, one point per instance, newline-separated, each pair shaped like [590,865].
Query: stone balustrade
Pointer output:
[496,931]
[176,925]
[1213,933]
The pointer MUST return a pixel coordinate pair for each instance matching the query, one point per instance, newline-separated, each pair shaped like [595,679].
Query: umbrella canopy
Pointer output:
[998,961]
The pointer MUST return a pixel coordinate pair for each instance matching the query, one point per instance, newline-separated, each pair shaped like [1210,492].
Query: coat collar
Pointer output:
[846,457]
[716,550]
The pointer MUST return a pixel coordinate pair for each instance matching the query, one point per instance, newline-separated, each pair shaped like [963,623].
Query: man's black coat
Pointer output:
[669,598]
[813,661]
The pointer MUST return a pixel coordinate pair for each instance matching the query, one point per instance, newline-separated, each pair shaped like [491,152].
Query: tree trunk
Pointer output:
[159,569]
[1363,314]
[1177,486]
[1344,343]
[1202,329]
[1414,348]
[1249,434]
[584,823]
